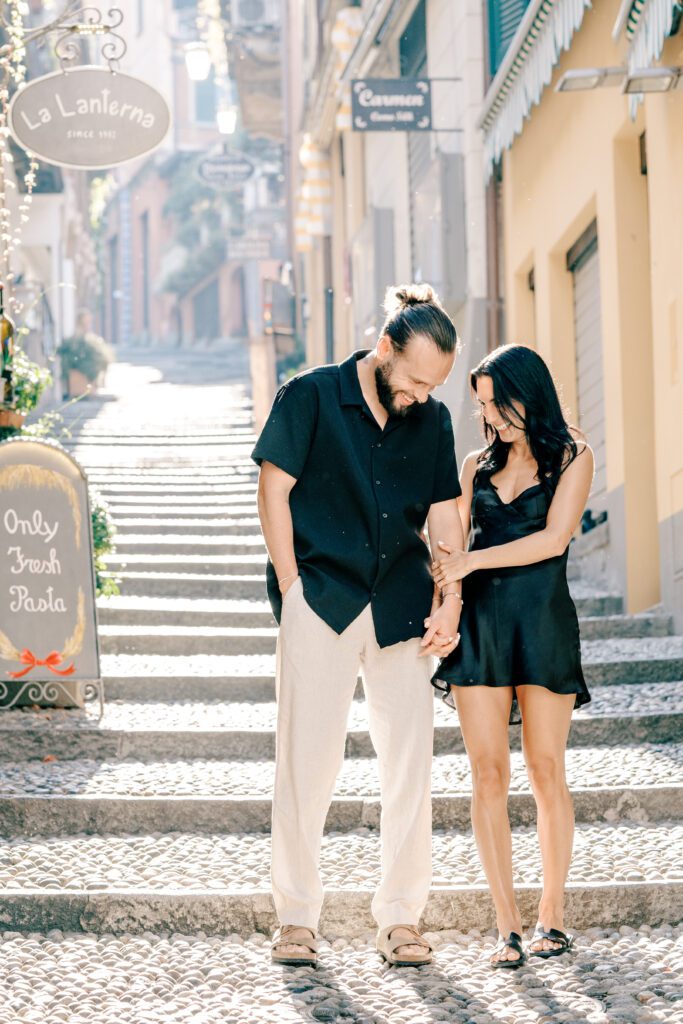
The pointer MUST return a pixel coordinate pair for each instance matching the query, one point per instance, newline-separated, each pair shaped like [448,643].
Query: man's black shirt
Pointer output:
[361,498]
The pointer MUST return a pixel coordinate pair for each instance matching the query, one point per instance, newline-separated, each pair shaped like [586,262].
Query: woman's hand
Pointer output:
[455,566]
[442,636]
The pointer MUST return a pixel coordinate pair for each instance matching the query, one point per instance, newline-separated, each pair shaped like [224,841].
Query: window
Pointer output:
[504,18]
[205,106]
[144,252]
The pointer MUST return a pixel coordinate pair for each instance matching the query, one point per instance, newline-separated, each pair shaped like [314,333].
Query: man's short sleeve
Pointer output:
[288,433]
[446,483]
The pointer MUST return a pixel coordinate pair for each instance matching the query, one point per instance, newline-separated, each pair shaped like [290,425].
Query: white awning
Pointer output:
[544,33]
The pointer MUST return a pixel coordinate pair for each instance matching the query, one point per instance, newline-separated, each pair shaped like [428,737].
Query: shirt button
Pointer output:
[374,593]
[379,444]
[384,556]
[496,581]
[384,515]
[377,482]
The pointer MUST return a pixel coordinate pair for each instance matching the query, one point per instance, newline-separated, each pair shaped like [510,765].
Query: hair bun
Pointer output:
[406,295]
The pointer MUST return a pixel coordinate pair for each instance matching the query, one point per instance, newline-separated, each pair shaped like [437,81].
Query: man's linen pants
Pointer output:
[316,676]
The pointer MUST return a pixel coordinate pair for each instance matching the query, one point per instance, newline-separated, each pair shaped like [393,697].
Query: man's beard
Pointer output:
[386,395]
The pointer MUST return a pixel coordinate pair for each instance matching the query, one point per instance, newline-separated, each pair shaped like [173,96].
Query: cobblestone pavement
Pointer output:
[627,976]
[143,836]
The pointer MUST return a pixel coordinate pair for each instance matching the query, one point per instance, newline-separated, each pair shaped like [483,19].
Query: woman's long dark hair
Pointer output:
[519,375]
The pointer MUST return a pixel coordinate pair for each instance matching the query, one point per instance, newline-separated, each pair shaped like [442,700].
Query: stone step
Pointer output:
[183,611]
[172,544]
[146,979]
[187,640]
[147,582]
[221,439]
[605,662]
[153,534]
[625,783]
[151,583]
[208,564]
[214,509]
[186,611]
[218,884]
[245,730]
[611,626]
[175,473]
[173,493]
[167,639]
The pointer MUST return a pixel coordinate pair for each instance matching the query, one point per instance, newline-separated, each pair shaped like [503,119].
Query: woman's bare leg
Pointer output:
[546,718]
[484,713]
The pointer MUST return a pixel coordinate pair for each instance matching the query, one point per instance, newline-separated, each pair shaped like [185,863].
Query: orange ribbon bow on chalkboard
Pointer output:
[52,661]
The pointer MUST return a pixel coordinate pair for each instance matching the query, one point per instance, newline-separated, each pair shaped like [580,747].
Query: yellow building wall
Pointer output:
[664,118]
[577,160]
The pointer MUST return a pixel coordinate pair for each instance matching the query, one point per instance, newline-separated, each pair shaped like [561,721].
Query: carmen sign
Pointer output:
[391,105]
[225,171]
[88,117]
[48,631]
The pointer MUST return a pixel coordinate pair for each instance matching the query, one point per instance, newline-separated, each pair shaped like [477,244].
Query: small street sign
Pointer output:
[88,118]
[249,248]
[226,171]
[391,105]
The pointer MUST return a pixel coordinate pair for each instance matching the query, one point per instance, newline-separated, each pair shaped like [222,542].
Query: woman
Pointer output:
[522,499]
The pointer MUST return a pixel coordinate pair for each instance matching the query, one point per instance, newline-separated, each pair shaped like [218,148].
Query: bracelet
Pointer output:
[459,596]
[290,577]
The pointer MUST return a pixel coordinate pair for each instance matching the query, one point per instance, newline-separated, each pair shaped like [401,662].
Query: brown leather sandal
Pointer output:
[387,946]
[294,935]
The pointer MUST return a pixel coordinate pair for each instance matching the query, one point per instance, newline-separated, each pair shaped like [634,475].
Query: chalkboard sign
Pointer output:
[48,626]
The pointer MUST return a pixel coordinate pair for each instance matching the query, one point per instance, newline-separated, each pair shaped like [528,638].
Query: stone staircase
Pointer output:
[156,818]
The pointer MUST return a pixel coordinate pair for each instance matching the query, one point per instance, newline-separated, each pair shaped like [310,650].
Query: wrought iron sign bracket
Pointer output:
[91,23]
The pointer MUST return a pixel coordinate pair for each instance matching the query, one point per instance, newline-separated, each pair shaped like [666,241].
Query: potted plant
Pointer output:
[84,359]
[29,381]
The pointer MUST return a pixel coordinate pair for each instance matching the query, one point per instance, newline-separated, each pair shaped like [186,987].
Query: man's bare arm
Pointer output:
[274,487]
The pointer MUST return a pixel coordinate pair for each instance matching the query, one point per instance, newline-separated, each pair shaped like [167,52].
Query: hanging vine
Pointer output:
[12,74]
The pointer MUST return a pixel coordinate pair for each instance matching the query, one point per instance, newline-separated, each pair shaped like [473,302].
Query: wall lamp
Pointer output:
[637,81]
[197,61]
[654,80]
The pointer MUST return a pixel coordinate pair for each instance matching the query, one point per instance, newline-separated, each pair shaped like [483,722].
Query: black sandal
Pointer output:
[514,942]
[564,940]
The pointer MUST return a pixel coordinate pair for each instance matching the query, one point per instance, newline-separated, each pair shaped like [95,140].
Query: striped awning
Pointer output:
[314,208]
[648,23]
[346,31]
[545,31]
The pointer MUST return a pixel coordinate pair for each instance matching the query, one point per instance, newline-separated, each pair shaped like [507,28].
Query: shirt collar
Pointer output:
[349,383]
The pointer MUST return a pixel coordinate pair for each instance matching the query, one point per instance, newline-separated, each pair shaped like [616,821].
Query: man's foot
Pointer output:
[402,946]
[509,952]
[548,942]
[294,945]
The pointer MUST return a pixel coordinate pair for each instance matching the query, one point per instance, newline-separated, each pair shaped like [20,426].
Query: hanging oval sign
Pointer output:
[88,118]
[225,171]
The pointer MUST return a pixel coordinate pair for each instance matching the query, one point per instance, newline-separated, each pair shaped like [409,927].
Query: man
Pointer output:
[354,460]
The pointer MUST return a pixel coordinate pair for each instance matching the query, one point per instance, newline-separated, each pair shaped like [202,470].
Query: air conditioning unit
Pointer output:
[254,13]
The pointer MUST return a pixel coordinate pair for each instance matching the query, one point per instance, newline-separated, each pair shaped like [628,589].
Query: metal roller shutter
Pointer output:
[589,365]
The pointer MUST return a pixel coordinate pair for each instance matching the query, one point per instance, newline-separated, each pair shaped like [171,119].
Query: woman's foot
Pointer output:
[509,952]
[549,942]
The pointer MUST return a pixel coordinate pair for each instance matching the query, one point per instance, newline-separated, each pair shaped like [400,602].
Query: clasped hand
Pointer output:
[454,566]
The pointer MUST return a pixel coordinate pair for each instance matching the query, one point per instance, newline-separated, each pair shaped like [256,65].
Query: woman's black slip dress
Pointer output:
[519,624]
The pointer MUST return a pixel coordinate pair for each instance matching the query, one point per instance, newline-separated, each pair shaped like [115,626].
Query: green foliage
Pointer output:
[30,381]
[103,532]
[87,353]
[197,267]
[197,214]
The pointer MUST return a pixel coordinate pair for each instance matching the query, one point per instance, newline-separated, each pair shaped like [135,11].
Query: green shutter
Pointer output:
[504,19]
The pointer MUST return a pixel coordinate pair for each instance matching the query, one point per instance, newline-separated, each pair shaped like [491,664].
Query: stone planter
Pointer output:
[10,418]
[79,385]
